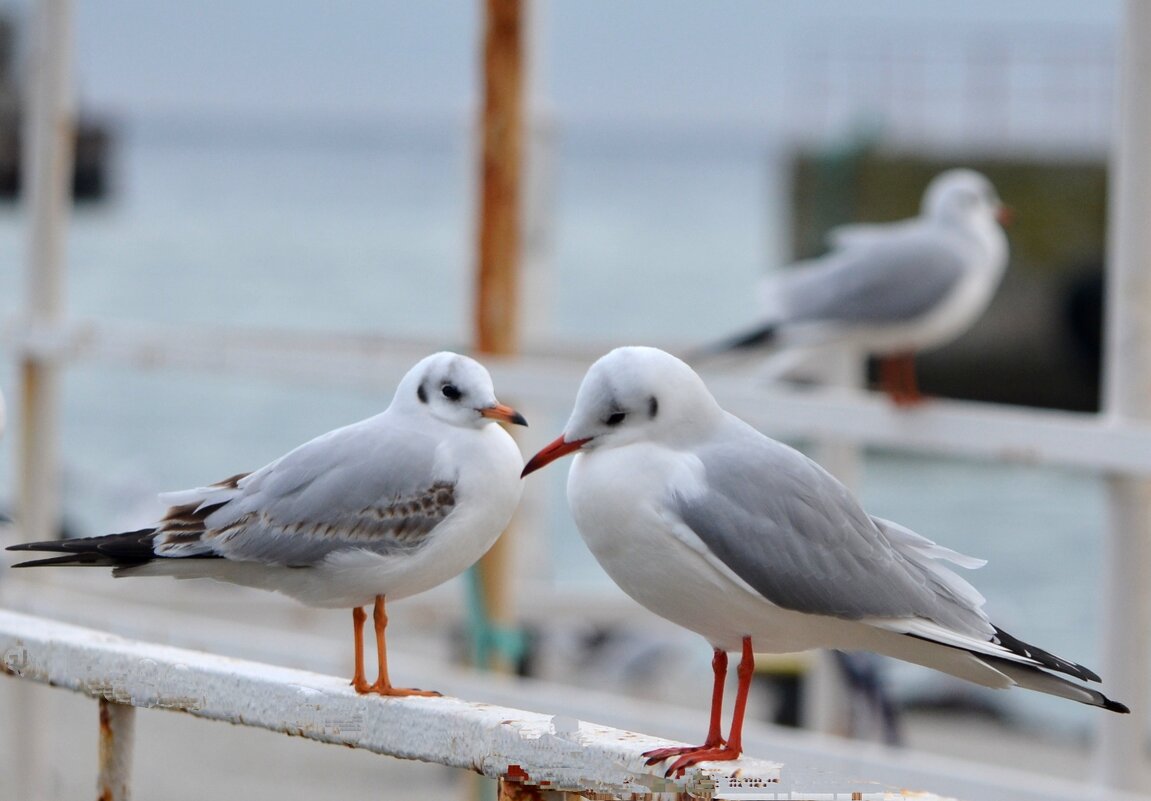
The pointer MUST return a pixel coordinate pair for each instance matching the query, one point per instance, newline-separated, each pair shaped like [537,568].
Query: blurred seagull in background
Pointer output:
[890,290]
[739,538]
[384,508]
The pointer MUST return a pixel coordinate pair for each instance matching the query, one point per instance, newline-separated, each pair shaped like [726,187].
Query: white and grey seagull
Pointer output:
[381,509]
[739,538]
[891,290]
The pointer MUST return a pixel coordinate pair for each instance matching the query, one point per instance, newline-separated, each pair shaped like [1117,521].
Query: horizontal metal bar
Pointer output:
[548,751]
[551,377]
[990,431]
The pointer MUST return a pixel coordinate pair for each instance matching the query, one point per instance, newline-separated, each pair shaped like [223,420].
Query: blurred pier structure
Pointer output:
[1026,89]
[876,113]
[93,137]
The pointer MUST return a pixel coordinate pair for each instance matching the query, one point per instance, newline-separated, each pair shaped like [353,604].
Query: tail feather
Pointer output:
[128,548]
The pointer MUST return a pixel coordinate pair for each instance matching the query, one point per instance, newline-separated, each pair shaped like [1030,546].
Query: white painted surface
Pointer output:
[555,751]
[1126,588]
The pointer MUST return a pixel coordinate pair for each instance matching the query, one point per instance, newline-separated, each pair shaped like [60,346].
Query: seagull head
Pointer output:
[964,197]
[630,395]
[454,389]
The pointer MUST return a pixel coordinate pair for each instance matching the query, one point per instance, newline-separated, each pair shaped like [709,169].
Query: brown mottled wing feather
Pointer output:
[362,486]
[397,524]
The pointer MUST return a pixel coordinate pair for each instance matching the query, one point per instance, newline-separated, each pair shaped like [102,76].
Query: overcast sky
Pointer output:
[596,60]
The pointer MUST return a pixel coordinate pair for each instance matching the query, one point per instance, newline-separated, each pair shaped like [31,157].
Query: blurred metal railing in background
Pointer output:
[1029,87]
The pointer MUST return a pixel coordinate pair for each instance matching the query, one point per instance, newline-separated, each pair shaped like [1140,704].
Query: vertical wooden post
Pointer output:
[499,245]
[1126,583]
[47,169]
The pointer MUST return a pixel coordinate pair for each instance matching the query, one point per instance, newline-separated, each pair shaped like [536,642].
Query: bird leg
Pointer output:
[358,679]
[897,378]
[715,747]
[382,685]
[714,738]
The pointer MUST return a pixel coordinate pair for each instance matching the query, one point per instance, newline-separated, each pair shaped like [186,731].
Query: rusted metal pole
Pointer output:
[1126,582]
[499,237]
[502,138]
[117,734]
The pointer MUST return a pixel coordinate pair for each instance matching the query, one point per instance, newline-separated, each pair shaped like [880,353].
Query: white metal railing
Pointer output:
[551,752]
[549,380]
[559,746]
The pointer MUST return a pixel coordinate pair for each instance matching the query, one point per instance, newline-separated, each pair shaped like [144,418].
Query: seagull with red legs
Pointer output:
[739,538]
[890,290]
[381,509]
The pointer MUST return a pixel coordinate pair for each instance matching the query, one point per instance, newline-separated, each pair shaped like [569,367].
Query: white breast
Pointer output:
[660,563]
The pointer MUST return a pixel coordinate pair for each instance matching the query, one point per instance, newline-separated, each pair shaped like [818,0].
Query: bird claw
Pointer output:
[393,692]
[657,755]
[692,756]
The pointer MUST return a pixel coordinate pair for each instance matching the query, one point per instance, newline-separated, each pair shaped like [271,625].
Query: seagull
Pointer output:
[744,540]
[381,509]
[891,289]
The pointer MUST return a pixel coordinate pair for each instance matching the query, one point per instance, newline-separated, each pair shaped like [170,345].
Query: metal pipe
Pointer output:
[117,735]
[47,170]
[499,246]
[1126,625]
[47,166]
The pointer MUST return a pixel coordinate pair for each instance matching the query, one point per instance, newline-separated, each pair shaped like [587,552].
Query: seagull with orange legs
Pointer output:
[890,290]
[739,538]
[381,509]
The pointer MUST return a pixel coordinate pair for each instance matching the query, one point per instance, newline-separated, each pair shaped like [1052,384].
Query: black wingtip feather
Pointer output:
[1048,660]
[70,559]
[763,335]
[1115,706]
[751,339]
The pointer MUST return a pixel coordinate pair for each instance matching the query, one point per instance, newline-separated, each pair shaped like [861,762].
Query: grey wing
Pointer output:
[892,278]
[797,536]
[362,486]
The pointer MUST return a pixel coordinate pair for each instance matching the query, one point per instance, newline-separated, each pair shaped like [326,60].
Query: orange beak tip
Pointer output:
[505,413]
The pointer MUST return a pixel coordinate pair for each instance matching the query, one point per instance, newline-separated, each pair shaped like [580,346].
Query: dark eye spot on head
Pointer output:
[422,394]
[451,392]
[615,418]
[652,407]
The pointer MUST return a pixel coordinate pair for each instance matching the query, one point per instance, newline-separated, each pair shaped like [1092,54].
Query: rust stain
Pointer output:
[105,720]
[515,785]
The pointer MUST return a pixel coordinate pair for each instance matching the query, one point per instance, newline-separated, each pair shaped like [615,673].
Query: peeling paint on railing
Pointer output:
[539,750]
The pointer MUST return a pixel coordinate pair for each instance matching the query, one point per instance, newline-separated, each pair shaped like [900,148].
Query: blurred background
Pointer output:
[311,167]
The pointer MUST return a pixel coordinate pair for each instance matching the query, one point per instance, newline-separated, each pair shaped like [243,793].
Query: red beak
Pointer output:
[550,453]
[1005,216]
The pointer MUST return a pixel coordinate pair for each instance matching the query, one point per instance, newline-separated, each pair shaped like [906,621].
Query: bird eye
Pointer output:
[615,418]
[451,392]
